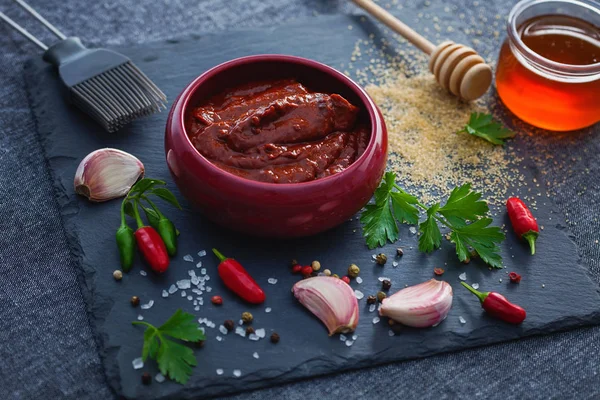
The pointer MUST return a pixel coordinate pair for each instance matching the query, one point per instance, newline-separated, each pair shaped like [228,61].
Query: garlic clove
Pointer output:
[420,306]
[331,300]
[107,174]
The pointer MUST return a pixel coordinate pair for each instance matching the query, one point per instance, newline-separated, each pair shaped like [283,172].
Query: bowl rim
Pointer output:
[374,116]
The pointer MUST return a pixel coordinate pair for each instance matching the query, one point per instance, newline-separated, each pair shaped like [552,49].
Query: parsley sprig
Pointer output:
[464,213]
[484,126]
[174,359]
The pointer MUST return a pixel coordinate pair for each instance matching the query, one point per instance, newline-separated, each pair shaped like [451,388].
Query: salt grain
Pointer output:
[188,258]
[463,276]
[220,371]
[253,336]
[383,278]
[354,337]
[223,330]
[172,289]
[203,271]
[143,273]
[475,286]
[395,264]
[261,333]
[374,256]
[462,320]
[160,378]
[272,281]
[140,318]
[237,373]
[412,230]
[183,294]
[138,363]
[349,342]
[165,293]
[372,307]
[199,265]
[240,331]
[197,308]
[190,297]
[359,295]
[376,320]
[359,280]
[208,289]
[219,338]
[201,253]
[268,309]
[343,337]
[391,333]
[184,284]
[148,305]
[255,355]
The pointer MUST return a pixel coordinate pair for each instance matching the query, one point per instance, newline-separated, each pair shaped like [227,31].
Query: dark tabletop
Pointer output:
[47,350]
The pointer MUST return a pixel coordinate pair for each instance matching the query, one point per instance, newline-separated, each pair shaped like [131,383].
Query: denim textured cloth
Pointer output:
[47,348]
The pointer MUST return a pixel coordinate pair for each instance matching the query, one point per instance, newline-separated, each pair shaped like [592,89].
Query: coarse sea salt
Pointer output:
[190,297]
[223,330]
[188,258]
[272,281]
[255,355]
[201,253]
[160,378]
[261,333]
[343,338]
[165,293]
[268,309]
[395,264]
[359,280]
[374,256]
[349,342]
[383,278]
[219,338]
[359,295]
[237,373]
[199,264]
[203,271]
[148,305]
[138,363]
[143,273]
[195,280]
[220,371]
[184,284]
[191,273]
[208,289]
[463,276]
[172,289]
[475,286]
[197,308]
[412,230]
[462,320]
[354,337]
[253,336]
[372,307]
[183,293]
[376,320]
[140,318]
[240,331]
[391,333]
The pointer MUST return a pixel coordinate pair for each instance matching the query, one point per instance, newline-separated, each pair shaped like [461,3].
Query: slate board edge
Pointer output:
[86,273]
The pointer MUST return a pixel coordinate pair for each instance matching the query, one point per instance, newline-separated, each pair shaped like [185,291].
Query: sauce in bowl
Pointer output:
[278,132]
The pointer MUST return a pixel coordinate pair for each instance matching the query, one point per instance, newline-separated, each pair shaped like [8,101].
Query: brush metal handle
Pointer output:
[22,31]
[43,20]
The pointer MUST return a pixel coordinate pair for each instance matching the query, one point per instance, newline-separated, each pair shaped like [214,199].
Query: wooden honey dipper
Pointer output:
[457,68]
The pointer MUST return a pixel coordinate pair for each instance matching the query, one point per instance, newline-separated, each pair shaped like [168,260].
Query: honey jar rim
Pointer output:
[543,63]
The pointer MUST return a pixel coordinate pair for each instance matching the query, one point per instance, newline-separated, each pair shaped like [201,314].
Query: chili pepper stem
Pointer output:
[123,220]
[136,214]
[531,237]
[160,215]
[477,293]
[220,256]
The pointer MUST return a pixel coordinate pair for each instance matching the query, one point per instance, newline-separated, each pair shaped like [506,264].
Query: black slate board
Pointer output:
[569,298]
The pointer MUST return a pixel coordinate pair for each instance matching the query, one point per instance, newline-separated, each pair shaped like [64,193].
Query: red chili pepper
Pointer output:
[498,306]
[514,277]
[346,279]
[523,222]
[150,244]
[296,269]
[238,280]
[307,271]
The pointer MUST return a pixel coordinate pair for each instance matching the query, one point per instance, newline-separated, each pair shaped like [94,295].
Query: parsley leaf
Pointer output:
[484,239]
[431,237]
[464,204]
[174,359]
[378,221]
[485,127]
[404,210]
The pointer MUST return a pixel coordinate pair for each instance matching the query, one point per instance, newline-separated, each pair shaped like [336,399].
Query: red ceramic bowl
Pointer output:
[268,209]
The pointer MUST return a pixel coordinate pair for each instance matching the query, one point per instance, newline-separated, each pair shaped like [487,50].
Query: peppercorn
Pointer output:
[135,301]
[381,296]
[315,265]
[146,378]
[216,300]
[438,271]
[229,324]
[274,337]
[296,269]
[307,271]
[346,279]
[326,272]
[335,275]
[514,277]
[118,275]
[381,259]
[353,271]
[249,330]
[386,284]
[371,300]
[294,262]
[399,252]
[247,317]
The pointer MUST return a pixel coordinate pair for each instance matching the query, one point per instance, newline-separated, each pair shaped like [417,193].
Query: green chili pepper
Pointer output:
[125,241]
[166,228]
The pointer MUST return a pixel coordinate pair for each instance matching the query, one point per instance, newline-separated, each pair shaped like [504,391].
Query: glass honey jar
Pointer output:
[548,71]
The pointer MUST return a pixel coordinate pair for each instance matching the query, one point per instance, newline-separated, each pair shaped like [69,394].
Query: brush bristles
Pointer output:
[118,96]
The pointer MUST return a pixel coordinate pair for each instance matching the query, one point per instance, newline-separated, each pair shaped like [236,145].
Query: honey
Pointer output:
[548,71]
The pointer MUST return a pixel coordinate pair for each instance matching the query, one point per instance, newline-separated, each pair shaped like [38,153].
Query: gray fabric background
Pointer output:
[46,348]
